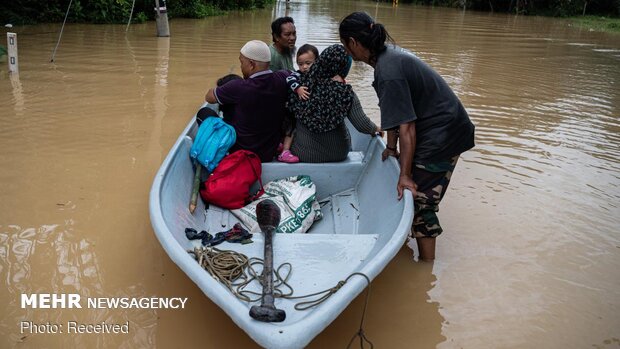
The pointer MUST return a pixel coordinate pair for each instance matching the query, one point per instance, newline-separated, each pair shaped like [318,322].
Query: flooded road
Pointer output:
[530,257]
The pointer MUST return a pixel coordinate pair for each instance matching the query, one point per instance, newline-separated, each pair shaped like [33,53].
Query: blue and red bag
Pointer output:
[229,184]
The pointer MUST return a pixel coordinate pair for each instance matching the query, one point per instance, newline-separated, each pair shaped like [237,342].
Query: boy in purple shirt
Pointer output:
[257,102]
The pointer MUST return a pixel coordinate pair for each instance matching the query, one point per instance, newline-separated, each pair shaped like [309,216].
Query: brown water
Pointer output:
[530,257]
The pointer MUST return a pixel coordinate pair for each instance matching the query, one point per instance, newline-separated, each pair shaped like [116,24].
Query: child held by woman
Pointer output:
[306,56]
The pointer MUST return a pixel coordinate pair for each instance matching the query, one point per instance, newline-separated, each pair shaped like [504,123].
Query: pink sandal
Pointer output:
[288,157]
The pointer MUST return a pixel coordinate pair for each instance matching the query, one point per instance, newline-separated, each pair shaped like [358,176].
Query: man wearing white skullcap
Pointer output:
[256,50]
[254,57]
[257,102]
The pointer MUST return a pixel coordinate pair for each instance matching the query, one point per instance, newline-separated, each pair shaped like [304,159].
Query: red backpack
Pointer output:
[229,184]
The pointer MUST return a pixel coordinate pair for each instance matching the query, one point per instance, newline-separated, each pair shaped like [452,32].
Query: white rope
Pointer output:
[61,29]
[130,14]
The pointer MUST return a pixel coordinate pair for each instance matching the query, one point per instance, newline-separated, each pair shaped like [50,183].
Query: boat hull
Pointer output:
[363,227]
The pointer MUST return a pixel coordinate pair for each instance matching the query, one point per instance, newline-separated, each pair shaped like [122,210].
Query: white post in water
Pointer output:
[161,19]
[11,39]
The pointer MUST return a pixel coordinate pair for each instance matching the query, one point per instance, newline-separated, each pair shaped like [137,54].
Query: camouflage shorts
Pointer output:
[432,180]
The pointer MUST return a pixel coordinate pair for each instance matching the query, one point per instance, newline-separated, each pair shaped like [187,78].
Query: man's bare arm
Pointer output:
[210,96]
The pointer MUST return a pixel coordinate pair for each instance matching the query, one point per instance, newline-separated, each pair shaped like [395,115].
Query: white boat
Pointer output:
[363,227]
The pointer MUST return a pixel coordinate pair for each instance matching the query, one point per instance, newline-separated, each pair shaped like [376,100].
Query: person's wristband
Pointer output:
[391,148]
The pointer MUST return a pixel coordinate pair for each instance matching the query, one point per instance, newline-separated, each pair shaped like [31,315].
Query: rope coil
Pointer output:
[229,267]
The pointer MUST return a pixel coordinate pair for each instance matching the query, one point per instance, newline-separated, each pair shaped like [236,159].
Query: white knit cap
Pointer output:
[256,50]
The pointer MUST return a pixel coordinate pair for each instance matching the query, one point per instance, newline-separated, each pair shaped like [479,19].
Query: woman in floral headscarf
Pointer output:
[321,134]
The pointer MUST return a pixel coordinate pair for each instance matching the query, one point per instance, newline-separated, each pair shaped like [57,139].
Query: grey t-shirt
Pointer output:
[410,90]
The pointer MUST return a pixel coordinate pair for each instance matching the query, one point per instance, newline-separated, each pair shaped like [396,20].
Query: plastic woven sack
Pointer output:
[296,198]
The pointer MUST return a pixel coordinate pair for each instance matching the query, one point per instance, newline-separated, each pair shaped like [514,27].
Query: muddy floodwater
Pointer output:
[530,256]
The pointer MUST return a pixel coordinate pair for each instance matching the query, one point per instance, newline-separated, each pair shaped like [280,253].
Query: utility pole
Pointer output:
[161,19]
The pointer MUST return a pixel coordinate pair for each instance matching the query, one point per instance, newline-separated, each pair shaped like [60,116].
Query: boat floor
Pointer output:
[311,254]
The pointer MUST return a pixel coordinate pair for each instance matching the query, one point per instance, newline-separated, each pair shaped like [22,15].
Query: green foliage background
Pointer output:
[558,8]
[19,12]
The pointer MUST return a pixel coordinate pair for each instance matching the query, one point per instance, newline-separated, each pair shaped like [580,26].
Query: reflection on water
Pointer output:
[52,259]
[529,257]
[18,97]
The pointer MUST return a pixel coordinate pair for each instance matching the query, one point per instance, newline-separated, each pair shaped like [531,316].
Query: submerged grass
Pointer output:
[597,23]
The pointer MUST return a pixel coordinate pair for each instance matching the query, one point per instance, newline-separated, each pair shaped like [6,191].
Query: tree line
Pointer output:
[19,12]
[556,8]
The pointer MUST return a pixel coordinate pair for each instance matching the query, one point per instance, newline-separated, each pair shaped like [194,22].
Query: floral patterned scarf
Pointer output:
[330,101]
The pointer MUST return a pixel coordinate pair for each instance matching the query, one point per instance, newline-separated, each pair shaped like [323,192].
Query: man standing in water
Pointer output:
[421,112]
[257,102]
[284,36]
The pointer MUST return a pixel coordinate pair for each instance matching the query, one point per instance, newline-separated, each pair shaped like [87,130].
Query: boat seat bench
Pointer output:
[336,176]
[336,194]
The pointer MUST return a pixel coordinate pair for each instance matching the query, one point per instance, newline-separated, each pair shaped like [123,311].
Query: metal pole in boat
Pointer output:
[161,19]
[268,217]
[193,201]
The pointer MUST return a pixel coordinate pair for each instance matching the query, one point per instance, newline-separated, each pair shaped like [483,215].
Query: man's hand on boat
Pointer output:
[389,152]
[405,182]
